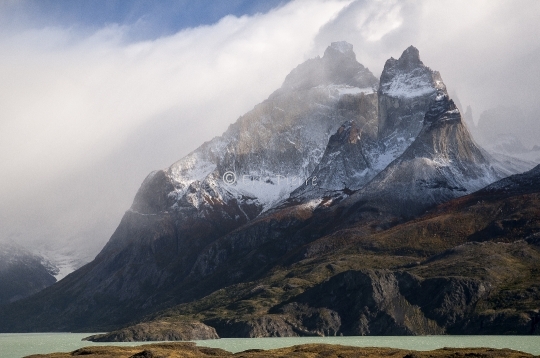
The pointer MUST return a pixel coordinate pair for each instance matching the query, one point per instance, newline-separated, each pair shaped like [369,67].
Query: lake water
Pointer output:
[17,345]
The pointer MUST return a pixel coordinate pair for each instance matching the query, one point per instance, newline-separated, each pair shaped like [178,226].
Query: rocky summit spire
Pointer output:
[341,49]
[408,77]
[410,58]
[406,90]
[337,67]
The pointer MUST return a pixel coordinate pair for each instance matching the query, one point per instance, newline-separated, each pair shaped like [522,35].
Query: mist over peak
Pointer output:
[338,66]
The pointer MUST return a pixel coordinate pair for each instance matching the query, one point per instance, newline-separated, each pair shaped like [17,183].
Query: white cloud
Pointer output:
[62,94]
[479,47]
[378,19]
[78,105]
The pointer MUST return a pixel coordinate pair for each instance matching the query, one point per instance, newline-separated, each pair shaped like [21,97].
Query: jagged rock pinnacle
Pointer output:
[338,66]
[410,57]
[340,49]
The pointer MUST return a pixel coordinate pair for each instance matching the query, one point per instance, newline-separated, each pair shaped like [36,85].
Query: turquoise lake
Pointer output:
[16,345]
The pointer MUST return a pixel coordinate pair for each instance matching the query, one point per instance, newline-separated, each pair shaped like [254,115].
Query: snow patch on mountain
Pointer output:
[267,190]
[194,167]
[408,85]
[354,90]
[313,204]
[336,91]
[61,261]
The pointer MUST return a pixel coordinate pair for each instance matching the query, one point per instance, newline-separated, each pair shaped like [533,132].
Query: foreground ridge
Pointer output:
[306,350]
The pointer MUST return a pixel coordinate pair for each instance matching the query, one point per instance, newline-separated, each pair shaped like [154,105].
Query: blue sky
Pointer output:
[146,19]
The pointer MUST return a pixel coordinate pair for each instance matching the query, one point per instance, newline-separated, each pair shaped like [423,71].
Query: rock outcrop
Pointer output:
[159,331]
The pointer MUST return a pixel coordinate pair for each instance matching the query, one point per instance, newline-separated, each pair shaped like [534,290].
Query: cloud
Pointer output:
[487,51]
[84,117]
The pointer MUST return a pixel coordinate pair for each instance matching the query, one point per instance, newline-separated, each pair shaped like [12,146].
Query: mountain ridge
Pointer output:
[190,232]
[446,272]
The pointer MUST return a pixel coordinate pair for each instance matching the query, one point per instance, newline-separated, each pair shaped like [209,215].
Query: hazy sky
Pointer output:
[94,95]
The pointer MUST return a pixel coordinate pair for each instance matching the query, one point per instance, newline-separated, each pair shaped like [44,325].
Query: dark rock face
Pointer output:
[309,321]
[516,184]
[392,303]
[265,326]
[344,158]
[446,300]
[21,273]
[370,302]
[295,320]
[508,322]
[153,197]
[345,165]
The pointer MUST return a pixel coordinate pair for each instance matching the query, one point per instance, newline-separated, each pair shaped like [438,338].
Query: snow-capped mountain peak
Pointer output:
[411,99]
[408,77]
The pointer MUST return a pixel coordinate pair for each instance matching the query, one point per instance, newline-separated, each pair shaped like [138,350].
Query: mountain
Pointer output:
[422,155]
[338,67]
[440,164]
[332,149]
[22,273]
[469,266]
